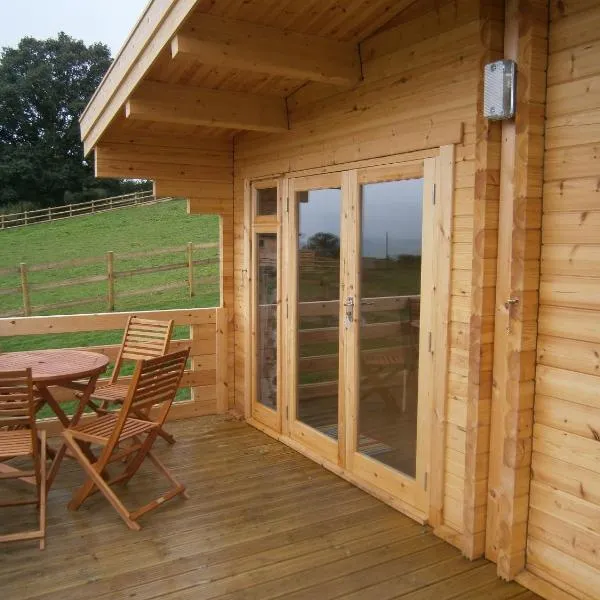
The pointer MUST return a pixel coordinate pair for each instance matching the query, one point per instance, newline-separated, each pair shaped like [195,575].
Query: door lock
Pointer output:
[349,312]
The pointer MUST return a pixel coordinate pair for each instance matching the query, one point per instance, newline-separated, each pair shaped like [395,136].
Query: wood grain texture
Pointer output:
[563,536]
[415,92]
[258,524]
[516,291]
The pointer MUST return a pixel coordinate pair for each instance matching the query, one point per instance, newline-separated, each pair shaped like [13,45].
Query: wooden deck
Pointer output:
[262,522]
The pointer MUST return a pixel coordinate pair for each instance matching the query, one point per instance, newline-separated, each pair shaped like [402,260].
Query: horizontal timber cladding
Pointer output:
[421,90]
[563,535]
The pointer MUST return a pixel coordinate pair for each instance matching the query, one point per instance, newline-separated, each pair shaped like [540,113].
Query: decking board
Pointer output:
[262,522]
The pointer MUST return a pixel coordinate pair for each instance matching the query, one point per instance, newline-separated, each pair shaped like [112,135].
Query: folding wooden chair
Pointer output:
[143,339]
[19,438]
[154,383]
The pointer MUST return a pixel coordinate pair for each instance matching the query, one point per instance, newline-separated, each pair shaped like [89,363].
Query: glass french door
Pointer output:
[358,257]
[342,274]
[387,342]
[313,304]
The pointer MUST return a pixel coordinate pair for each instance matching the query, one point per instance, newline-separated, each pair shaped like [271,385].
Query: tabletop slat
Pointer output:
[50,366]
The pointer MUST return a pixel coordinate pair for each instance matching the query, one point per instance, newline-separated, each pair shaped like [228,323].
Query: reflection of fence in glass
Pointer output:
[109,276]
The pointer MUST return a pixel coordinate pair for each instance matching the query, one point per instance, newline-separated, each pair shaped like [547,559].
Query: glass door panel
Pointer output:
[318,248]
[266,320]
[388,331]
[388,348]
[265,280]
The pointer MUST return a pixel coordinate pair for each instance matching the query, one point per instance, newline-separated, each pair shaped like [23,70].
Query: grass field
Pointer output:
[135,229]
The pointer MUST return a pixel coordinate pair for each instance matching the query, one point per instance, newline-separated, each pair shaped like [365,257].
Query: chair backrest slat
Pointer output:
[155,382]
[17,406]
[143,339]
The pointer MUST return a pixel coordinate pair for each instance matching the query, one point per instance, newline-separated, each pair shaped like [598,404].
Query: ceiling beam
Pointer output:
[160,21]
[170,103]
[221,42]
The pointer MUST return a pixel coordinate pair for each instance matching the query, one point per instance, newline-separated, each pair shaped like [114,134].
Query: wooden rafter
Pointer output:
[170,103]
[157,25]
[220,42]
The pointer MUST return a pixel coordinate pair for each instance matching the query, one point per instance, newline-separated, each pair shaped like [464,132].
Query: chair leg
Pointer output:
[162,432]
[165,435]
[138,457]
[163,469]
[96,480]
[42,492]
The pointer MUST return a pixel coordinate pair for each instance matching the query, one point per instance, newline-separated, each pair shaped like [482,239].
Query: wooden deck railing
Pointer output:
[206,376]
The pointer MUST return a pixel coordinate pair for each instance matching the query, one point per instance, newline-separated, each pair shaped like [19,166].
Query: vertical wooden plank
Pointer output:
[190,260]
[426,332]
[25,291]
[442,259]
[247,317]
[292,307]
[287,275]
[349,332]
[222,359]
[516,289]
[110,279]
[483,269]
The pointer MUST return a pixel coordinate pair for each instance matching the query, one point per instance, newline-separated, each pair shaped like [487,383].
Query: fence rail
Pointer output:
[110,277]
[65,211]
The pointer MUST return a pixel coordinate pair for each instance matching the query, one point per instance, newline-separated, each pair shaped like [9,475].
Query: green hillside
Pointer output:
[136,229]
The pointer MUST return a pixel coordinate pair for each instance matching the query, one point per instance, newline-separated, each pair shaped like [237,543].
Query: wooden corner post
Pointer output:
[515,330]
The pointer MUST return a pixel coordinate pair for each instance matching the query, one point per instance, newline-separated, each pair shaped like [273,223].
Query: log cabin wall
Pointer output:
[422,80]
[563,535]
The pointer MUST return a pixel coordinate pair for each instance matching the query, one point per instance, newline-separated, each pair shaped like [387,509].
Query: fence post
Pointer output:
[25,290]
[25,217]
[190,258]
[2,217]
[110,266]
[93,206]
[49,213]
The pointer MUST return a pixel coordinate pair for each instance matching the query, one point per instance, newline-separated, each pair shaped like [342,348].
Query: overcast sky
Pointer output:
[107,21]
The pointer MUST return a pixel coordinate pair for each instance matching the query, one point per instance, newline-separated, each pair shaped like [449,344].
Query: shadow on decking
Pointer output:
[262,522]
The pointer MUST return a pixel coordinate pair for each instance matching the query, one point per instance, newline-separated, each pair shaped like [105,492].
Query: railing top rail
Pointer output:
[100,321]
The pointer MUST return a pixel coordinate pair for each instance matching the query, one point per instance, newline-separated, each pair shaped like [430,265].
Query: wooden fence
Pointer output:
[54,213]
[110,277]
[205,376]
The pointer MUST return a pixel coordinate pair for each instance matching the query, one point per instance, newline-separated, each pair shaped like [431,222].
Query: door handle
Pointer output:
[349,312]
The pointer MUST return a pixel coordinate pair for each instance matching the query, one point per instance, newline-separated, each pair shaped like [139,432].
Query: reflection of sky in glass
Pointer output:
[322,212]
[394,208]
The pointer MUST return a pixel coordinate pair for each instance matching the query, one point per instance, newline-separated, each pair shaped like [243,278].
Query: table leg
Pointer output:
[83,400]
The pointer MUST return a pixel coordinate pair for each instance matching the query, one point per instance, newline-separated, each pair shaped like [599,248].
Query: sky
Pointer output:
[107,21]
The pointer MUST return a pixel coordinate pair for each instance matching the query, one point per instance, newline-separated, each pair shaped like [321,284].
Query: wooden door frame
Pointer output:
[443,231]
[264,225]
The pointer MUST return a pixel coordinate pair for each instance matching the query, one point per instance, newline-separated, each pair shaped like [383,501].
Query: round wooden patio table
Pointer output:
[72,369]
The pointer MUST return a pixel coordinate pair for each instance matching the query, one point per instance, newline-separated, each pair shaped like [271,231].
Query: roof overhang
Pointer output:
[242,70]
[154,30]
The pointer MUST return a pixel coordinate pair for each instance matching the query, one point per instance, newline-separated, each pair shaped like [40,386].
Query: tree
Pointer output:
[44,87]
[324,244]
